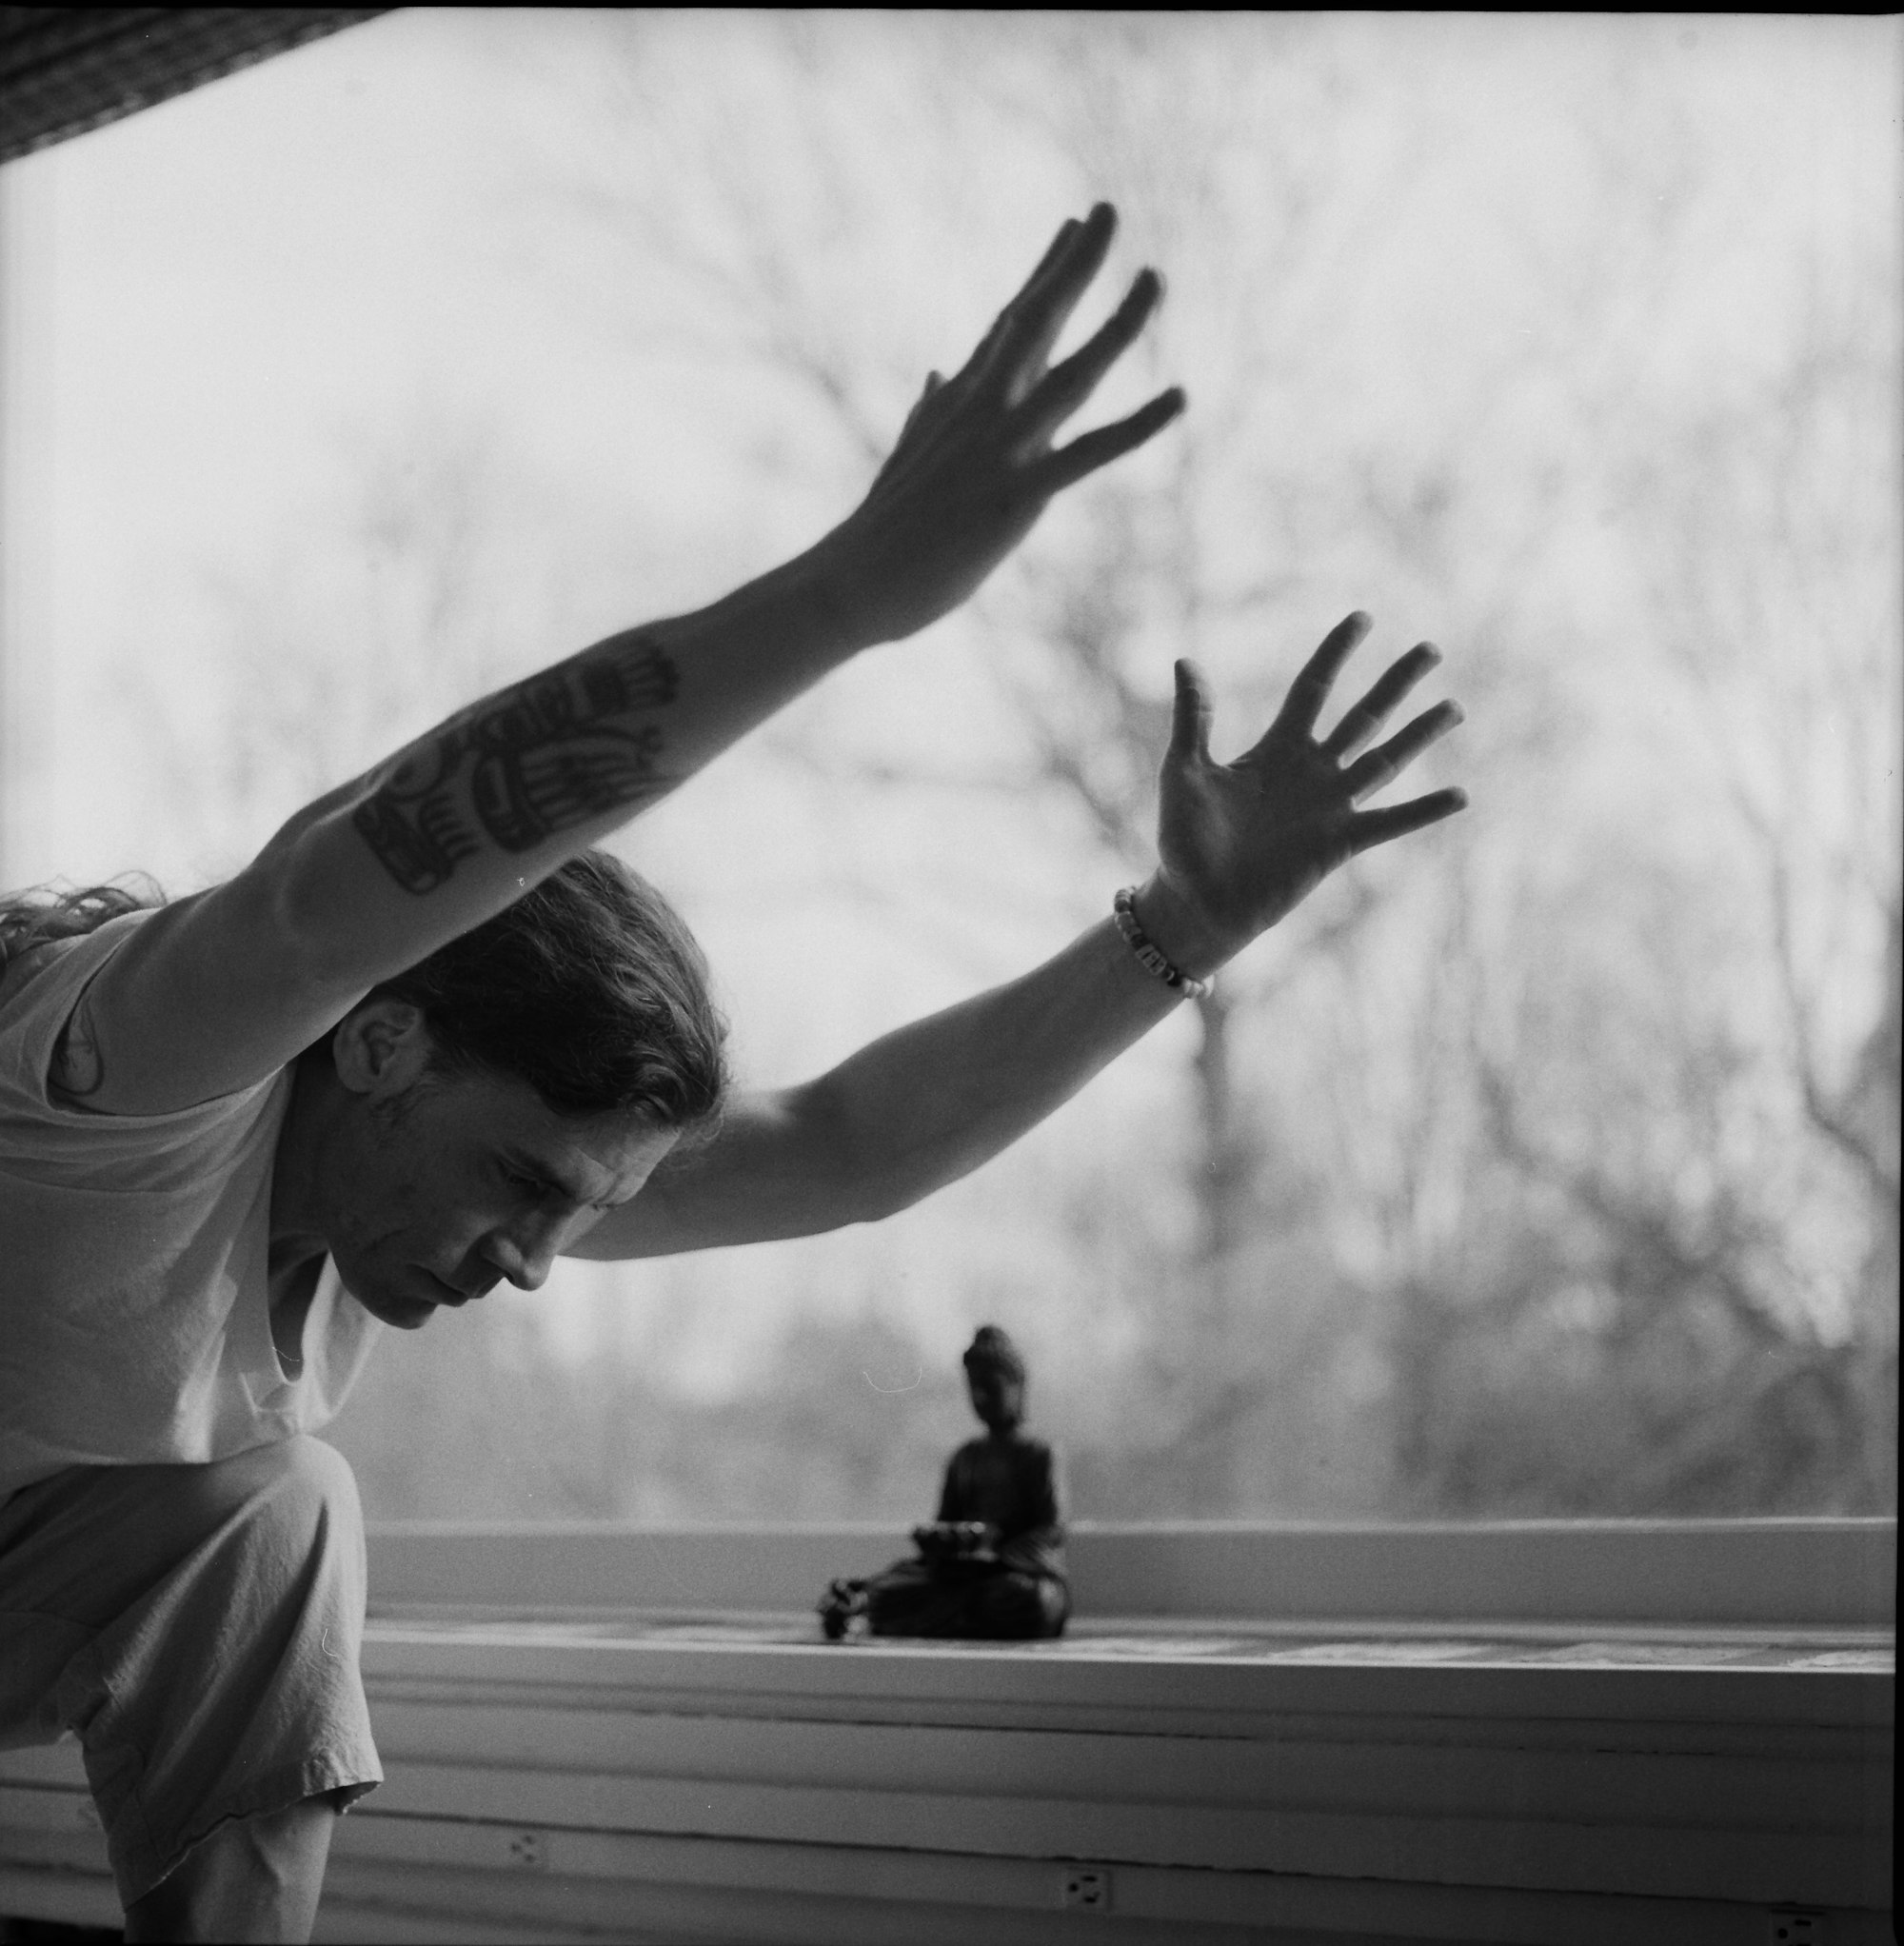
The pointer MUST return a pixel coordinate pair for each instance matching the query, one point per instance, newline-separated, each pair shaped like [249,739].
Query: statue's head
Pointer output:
[995,1377]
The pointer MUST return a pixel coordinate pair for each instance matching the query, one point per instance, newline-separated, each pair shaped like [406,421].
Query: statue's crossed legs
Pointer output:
[976,1601]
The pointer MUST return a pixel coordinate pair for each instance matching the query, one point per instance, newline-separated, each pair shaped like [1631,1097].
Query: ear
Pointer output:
[381,1048]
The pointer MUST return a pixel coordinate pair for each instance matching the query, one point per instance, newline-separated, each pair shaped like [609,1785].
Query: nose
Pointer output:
[525,1253]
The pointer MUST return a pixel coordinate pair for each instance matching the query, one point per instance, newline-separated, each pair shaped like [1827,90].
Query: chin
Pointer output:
[402,1310]
[405,1313]
[402,1313]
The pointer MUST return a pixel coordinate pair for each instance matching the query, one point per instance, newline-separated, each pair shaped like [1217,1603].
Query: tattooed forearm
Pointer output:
[530,762]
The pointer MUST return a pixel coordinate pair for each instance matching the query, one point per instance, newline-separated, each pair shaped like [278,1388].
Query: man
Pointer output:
[429,1039]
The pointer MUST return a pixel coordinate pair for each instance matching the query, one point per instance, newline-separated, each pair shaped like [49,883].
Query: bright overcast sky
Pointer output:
[216,308]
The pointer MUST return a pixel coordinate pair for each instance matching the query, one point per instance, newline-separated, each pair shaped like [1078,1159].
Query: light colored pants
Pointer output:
[198,1629]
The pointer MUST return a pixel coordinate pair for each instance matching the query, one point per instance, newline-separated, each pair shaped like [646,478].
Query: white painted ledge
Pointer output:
[1782,1573]
[1540,1733]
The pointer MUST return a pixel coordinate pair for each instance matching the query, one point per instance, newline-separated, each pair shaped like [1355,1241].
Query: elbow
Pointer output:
[873,1170]
[872,1185]
[301,915]
[874,1199]
[899,1178]
[321,943]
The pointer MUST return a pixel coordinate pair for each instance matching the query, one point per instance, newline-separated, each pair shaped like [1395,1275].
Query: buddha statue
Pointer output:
[991,1566]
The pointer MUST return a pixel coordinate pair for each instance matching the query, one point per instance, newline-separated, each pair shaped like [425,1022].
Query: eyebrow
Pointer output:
[528,1165]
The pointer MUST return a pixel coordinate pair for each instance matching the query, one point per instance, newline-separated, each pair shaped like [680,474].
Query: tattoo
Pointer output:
[538,759]
[76,1069]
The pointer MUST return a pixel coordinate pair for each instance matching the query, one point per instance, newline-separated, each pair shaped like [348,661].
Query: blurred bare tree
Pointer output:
[1699,1082]
[1521,1180]
[385,613]
[1513,1198]
[1546,1165]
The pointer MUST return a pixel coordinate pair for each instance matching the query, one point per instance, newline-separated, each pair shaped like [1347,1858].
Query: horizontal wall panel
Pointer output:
[1820,1793]
[883,1674]
[616,1736]
[677,1890]
[1680,1860]
[68,1897]
[1788,1572]
[1796,1573]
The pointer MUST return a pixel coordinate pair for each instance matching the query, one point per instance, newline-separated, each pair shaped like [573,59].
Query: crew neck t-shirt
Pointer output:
[134,1298]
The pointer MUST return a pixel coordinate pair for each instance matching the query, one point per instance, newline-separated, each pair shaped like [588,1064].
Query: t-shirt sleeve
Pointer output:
[42,1134]
[38,1001]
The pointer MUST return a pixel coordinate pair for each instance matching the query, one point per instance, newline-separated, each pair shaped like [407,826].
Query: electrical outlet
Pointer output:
[1795,1929]
[529,1851]
[1086,1891]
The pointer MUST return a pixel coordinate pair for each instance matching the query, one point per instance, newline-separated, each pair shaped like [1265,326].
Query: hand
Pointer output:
[1243,844]
[955,1539]
[974,466]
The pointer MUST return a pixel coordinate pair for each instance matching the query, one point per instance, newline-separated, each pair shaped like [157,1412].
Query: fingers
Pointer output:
[989,345]
[1310,691]
[1067,231]
[1047,302]
[1192,717]
[1029,324]
[1067,385]
[1090,451]
[1383,763]
[1360,722]
[1397,821]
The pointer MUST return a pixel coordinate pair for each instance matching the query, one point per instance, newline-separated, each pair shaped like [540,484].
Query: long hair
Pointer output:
[591,988]
[44,913]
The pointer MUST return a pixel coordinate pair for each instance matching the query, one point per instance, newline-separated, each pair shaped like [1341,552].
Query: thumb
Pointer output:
[933,382]
[1193,713]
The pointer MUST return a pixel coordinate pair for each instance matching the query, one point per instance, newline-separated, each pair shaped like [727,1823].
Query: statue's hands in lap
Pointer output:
[974,466]
[1241,844]
[945,1540]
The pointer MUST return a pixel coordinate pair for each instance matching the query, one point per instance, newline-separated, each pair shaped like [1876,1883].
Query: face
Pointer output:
[997,1396]
[434,1189]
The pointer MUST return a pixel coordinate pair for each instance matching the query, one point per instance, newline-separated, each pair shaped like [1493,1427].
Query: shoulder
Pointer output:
[40,990]
[27,972]
[47,1067]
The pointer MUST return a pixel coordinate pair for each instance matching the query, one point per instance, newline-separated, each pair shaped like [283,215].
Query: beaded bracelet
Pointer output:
[1149,955]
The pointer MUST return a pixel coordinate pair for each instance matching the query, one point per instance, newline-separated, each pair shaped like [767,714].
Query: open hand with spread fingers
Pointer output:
[975,464]
[1243,844]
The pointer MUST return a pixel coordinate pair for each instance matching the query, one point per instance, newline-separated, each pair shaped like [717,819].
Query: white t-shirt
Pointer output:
[134,1306]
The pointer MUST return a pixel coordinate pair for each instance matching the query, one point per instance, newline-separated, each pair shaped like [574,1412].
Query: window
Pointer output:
[1544,1166]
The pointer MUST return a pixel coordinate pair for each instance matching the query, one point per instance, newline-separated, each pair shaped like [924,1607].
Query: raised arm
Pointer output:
[1240,844]
[221,989]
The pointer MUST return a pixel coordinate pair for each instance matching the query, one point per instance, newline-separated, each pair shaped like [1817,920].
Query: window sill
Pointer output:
[566,1764]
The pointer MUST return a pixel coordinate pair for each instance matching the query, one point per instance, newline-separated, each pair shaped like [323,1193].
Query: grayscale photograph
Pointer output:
[951,976]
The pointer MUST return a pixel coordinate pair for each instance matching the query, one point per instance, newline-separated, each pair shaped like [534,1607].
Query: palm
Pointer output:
[1259,833]
[1243,844]
[974,465]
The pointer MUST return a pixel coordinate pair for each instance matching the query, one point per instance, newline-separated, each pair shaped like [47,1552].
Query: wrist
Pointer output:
[835,582]
[805,603]
[1179,930]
